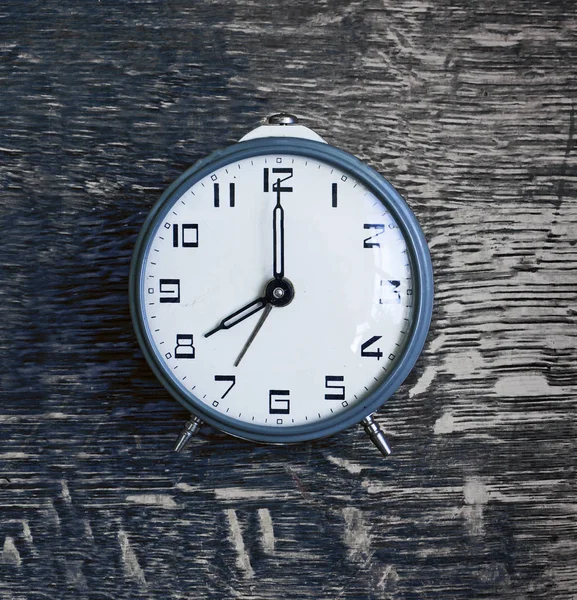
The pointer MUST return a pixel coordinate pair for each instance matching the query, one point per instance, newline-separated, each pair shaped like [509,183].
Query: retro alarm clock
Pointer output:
[281,289]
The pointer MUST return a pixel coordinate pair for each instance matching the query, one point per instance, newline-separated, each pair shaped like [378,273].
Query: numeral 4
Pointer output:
[371,353]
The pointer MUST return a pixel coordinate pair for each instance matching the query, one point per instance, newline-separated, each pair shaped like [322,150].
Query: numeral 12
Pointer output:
[275,186]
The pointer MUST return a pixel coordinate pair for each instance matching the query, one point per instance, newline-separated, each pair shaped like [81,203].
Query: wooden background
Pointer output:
[469,109]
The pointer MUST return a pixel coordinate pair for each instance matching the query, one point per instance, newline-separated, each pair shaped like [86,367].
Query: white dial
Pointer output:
[276,220]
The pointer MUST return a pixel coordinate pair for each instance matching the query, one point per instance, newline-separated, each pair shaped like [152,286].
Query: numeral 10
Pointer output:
[185,235]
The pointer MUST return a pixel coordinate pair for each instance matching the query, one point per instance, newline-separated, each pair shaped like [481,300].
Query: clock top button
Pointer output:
[282,119]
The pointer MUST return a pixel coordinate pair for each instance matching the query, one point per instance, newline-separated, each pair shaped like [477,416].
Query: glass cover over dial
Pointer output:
[276,291]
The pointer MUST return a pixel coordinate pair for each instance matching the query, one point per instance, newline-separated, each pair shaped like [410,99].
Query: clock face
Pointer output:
[274,293]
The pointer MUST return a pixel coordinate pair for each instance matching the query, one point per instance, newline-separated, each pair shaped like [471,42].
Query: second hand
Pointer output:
[260,323]
[277,291]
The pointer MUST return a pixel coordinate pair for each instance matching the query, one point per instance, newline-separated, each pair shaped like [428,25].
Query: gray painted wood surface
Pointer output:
[469,110]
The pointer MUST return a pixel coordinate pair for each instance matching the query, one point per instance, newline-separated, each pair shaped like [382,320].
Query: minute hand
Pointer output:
[278,235]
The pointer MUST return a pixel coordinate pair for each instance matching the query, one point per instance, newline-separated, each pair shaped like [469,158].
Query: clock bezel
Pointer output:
[417,250]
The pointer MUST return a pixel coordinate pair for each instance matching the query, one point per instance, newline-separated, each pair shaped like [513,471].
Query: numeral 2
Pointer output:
[379,228]
[171,290]
[279,405]
[341,388]
[371,353]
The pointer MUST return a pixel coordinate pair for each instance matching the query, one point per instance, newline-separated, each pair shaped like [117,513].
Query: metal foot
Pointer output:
[373,430]
[190,429]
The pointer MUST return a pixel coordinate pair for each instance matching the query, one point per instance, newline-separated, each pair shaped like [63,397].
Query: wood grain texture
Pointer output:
[469,110]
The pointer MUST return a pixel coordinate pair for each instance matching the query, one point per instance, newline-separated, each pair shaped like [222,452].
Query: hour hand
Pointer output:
[240,315]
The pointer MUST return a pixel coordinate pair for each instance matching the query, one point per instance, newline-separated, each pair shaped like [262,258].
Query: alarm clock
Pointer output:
[281,289]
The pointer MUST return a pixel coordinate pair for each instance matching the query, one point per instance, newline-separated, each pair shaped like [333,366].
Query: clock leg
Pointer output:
[190,429]
[373,430]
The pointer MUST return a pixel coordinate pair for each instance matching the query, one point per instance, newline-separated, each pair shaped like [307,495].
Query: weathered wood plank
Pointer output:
[470,112]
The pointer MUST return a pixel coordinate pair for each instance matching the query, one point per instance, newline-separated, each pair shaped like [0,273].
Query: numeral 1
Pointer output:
[278,404]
